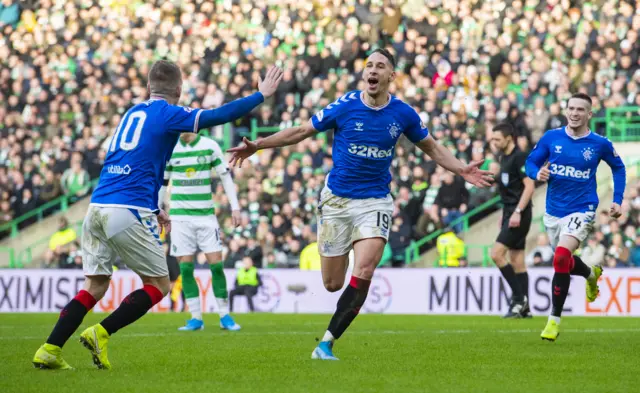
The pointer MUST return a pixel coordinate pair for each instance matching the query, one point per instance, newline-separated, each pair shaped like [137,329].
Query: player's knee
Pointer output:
[333,285]
[498,256]
[186,269]
[162,283]
[562,260]
[97,286]
[365,271]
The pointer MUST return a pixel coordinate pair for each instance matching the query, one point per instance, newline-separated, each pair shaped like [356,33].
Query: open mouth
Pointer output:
[373,82]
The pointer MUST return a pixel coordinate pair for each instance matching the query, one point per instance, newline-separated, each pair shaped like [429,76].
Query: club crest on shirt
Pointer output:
[202,159]
[587,153]
[394,130]
[505,179]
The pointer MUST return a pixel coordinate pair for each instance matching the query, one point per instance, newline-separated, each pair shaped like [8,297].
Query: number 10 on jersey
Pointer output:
[123,132]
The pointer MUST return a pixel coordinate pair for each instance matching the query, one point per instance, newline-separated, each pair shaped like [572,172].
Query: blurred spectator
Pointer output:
[634,259]
[593,253]
[70,70]
[59,244]
[247,283]
[451,249]
[310,257]
[542,254]
[26,204]
[399,240]
[9,13]
[75,180]
[618,250]
[452,199]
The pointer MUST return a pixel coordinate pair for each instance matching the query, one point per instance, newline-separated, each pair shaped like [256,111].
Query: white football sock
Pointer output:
[556,319]
[591,274]
[223,306]
[328,337]
[194,306]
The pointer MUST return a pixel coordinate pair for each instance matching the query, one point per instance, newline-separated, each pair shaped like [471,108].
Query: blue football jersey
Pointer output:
[573,163]
[364,143]
[139,150]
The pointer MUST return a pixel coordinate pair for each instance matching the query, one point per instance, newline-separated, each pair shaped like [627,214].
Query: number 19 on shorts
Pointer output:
[383,221]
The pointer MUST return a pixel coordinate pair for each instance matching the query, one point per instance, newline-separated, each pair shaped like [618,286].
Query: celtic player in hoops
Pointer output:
[356,207]
[194,222]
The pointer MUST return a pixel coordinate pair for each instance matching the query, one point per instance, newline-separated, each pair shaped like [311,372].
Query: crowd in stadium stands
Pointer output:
[70,69]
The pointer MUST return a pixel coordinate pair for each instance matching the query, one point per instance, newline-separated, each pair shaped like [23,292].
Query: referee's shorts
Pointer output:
[515,238]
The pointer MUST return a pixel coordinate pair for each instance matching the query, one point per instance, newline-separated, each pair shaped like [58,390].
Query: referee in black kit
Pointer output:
[516,190]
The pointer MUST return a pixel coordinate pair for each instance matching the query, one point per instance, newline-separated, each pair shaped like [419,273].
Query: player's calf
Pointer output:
[499,256]
[137,303]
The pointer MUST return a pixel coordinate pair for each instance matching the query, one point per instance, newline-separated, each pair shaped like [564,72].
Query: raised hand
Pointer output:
[476,176]
[236,218]
[544,173]
[242,152]
[615,211]
[269,84]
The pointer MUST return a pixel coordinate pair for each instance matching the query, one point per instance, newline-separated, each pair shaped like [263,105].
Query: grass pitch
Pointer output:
[380,353]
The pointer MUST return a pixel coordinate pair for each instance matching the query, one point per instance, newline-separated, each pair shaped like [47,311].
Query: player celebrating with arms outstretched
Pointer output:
[124,219]
[572,155]
[195,224]
[355,206]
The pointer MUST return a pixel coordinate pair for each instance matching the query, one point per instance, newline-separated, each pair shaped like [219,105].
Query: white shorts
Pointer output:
[578,225]
[189,236]
[108,232]
[343,221]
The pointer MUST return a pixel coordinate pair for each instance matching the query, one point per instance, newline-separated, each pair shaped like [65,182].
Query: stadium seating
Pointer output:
[68,73]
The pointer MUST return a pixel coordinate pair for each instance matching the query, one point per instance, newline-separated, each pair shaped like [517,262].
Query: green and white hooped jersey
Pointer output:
[189,172]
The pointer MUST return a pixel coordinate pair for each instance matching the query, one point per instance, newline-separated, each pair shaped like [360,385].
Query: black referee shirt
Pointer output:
[510,179]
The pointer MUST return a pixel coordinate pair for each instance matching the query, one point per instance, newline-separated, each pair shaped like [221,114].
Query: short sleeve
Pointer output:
[415,130]
[521,160]
[182,118]
[326,119]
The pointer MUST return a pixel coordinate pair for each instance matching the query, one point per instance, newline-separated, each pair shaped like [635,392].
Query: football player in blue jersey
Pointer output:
[356,207]
[567,159]
[124,219]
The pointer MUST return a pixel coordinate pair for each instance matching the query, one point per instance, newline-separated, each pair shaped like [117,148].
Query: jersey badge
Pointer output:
[505,179]
[587,153]
[394,130]
[202,159]
[558,149]
[359,126]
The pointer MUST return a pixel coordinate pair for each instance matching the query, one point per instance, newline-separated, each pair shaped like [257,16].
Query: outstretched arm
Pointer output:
[184,119]
[286,137]
[229,112]
[443,157]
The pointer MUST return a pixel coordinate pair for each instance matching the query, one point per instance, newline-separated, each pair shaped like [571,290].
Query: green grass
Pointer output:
[381,353]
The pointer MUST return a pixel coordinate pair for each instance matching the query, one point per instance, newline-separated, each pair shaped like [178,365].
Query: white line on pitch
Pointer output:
[358,332]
